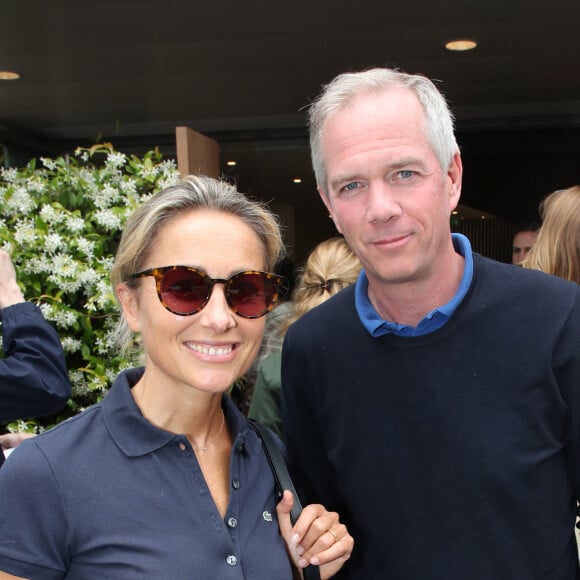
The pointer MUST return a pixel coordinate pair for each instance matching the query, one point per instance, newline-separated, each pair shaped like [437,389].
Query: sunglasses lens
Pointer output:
[184,291]
[252,294]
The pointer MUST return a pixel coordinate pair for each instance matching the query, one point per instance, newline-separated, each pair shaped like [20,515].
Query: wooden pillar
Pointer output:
[196,153]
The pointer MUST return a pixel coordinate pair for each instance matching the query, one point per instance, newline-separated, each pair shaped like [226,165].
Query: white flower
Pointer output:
[50,215]
[90,276]
[48,163]
[20,202]
[53,242]
[70,344]
[46,310]
[116,159]
[63,266]
[75,224]
[39,265]
[9,174]
[87,247]
[128,187]
[106,197]
[65,318]
[25,233]
[147,172]
[107,219]
[35,185]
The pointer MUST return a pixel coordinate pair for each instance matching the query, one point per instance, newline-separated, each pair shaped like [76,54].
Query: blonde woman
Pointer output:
[557,247]
[164,478]
[330,267]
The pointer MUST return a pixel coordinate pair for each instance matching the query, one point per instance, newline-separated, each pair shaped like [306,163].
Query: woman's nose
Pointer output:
[217,313]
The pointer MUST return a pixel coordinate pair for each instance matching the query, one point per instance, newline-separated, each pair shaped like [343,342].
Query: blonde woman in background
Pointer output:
[330,267]
[557,247]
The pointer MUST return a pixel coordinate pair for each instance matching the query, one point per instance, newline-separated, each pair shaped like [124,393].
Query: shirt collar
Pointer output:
[136,436]
[434,320]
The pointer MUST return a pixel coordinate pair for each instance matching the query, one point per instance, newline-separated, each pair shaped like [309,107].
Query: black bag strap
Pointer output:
[282,479]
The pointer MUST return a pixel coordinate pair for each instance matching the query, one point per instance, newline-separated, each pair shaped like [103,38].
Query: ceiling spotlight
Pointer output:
[6,75]
[297,180]
[461,44]
[232,163]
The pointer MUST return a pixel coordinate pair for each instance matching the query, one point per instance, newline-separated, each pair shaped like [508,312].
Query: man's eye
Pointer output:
[406,173]
[351,186]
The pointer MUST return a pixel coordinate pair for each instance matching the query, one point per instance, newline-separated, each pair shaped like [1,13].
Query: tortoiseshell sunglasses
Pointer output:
[185,291]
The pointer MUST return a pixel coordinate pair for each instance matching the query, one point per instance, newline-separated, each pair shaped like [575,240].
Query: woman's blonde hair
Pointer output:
[556,250]
[330,267]
[192,193]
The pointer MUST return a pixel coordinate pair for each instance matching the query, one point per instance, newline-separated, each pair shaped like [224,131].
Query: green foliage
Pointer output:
[60,220]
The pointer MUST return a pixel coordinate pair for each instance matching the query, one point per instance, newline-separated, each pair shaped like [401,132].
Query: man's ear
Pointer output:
[454,176]
[129,305]
[326,202]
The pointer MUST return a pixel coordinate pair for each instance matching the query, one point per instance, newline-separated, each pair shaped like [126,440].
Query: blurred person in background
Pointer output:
[523,241]
[33,375]
[556,250]
[330,267]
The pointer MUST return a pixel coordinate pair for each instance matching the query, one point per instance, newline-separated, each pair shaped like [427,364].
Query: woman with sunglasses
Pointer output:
[164,478]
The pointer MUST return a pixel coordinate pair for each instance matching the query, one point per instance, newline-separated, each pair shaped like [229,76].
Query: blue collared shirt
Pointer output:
[433,320]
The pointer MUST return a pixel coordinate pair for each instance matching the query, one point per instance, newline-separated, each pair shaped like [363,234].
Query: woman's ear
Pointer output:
[129,305]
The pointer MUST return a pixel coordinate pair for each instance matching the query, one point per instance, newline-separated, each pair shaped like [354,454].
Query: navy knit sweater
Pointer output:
[453,455]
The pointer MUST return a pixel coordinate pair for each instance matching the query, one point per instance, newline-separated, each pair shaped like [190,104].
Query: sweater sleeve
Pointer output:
[33,375]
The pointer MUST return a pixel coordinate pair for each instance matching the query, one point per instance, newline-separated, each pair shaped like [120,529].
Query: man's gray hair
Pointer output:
[344,88]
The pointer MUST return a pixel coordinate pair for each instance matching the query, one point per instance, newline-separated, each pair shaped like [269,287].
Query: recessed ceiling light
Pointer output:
[232,163]
[6,75]
[461,44]
[297,180]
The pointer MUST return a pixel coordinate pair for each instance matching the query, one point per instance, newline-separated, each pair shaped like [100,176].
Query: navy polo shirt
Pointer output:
[108,495]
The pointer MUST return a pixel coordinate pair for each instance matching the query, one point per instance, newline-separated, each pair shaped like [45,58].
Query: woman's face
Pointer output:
[208,350]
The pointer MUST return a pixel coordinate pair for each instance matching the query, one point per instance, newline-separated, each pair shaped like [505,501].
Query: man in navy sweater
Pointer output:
[33,375]
[436,403]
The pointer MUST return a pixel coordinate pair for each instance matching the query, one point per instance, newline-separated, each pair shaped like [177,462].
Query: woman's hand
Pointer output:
[317,538]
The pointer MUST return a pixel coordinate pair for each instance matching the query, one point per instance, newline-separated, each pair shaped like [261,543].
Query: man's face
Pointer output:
[386,191]
[523,242]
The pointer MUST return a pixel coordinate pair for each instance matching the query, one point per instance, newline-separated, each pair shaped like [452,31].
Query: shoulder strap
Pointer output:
[282,479]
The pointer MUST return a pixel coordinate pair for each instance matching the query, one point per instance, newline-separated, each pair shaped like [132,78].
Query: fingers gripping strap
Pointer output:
[282,479]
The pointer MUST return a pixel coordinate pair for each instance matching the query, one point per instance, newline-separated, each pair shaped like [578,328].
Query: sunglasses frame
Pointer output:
[159,273]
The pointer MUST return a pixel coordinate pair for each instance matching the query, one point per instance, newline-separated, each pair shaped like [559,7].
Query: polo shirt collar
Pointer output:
[136,436]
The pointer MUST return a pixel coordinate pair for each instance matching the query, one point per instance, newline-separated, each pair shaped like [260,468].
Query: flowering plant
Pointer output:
[60,220]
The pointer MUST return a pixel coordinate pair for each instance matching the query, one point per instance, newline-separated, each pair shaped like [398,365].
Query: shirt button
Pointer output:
[232,560]
[182,446]
[241,447]
[236,483]
[232,522]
